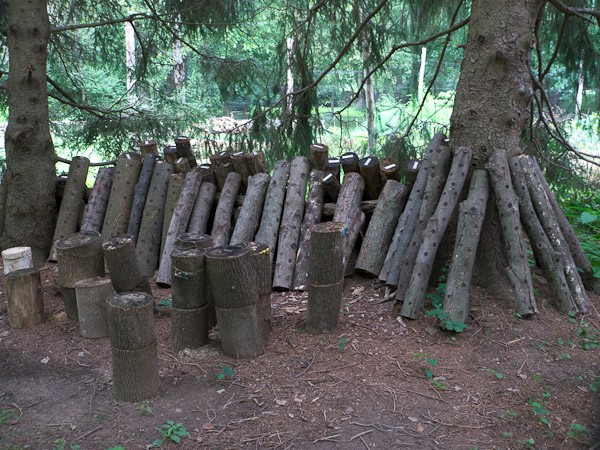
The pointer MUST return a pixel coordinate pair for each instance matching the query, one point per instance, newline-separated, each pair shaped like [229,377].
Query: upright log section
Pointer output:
[289,231]
[149,147]
[221,229]
[249,218]
[184,149]
[202,208]
[326,277]
[24,299]
[79,256]
[122,264]
[222,167]
[239,160]
[256,163]
[134,351]
[331,187]
[349,162]
[140,195]
[72,199]
[122,192]
[178,225]
[92,294]
[235,291]
[149,238]
[381,228]
[176,181]
[312,216]
[434,232]
[319,156]
[389,169]
[93,217]
[470,220]
[348,212]
[369,169]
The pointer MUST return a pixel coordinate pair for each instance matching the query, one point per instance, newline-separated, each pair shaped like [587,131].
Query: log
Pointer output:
[182,165]
[347,210]
[512,235]
[411,170]
[149,147]
[202,208]
[239,161]
[91,295]
[150,234]
[249,217]
[291,220]
[319,156]
[178,225]
[241,336]
[381,228]
[170,155]
[349,162]
[176,182]
[140,195]
[470,220]
[184,149]
[135,373]
[553,264]
[434,232]
[408,219]
[222,167]
[389,169]
[189,328]
[256,163]
[333,167]
[189,278]
[188,241]
[130,320]
[122,191]
[122,264]
[231,276]
[208,173]
[331,187]
[24,298]
[326,277]
[17,258]
[93,217]
[221,229]
[366,206]
[552,229]
[268,230]
[369,169]
[312,216]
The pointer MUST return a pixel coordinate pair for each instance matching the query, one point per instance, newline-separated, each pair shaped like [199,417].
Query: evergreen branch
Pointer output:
[92,164]
[578,12]
[103,23]
[561,33]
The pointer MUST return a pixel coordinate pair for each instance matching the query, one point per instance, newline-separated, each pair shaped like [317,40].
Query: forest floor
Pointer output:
[377,383]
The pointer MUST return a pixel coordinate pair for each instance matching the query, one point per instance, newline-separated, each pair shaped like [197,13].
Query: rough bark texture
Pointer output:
[184,149]
[202,208]
[140,195]
[347,211]
[24,299]
[189,328]
[291,220]
[331,186]
[170,155]
[369,169]
[389,169]
[188,241]
[249,218]
[149,238]
[131,320]
[239,160]
[189,279]
[381,228]
[366,206]
[222,168]
[135,373]
[333,166]
[149,147]
[91,295]
[319,156]
[221,229]
[93,218]
[176,181]
[312,216]
[17,258]
[349,162]
[241,336]
[208,173]
[122,264]
[30,173]
[256,163]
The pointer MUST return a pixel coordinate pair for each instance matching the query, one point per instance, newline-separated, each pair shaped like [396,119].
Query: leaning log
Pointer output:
[381,228]
[202,208]
[249,218]
[184,149]
[349,162]
[239,161]
[122,265]
[319,156]
[434,232]
[140,194]
[95,210]
[221,229]
[92,294]
[176,182]
[347,209]
[366,206]
[24,299]
[291,220]
[369,169]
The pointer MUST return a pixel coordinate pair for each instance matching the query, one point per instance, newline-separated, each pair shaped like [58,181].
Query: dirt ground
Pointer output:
[377,383]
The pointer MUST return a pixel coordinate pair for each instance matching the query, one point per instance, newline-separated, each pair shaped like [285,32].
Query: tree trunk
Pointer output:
[140,194]
[249,218]
[170,155]
[331,186]
[366,206]
[221,229]
[369,90]
[98,202]
[24,299]
[91,295]
[189,328]
[347,209]
[30,172]
[182,165]
[260,260]
[130,59]
[122,265]
[222,166]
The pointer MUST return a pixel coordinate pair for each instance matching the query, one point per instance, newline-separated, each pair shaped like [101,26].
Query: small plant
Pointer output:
[509,414]
[437,304]
[595,385]
[118,447]
[507,435]
[341,343]
[576,430]
[530,442]
[170,431]
[588,337]
[61,444]
[540,410]
[431,361]
[145,409]
[225,372]
[498,375]
[438,385]
[6,415]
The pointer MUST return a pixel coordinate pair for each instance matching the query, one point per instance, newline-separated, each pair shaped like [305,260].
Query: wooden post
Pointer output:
[24,299]
[319,156]
[369,169]
[149,147]
[221,229]
[326,277]
[150,234]
[389,169]
[92,294]
[134,351]
[176,181]
[381,228]
[202,208]
[70,206]
[239,161]
[349,162]
[249,218]
[140,194]
[17,258]
[289,231]
[93,216]
[122,264]
[184,149]
[122,191]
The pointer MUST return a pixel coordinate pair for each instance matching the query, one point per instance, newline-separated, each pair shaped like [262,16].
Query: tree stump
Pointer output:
[122,192]
[349,162]
[381,228]
[249,217]
[369,169]
[239,161]
[184,149]
[289,231]
[93,217]
[189,278]
[326,277]
[202,208]
[24,299]
[221,229]
[389,169]
[256,163]
[17,258]
[411,170]
[134,351]
[67,221]
[149,147]
[150,234]
[92,294]
[140,194]
[79,257]
[319,156]
[176,181]
[189,328]
[122,264]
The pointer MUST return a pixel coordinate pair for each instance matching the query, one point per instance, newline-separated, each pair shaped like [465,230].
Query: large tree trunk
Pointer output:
[30,154]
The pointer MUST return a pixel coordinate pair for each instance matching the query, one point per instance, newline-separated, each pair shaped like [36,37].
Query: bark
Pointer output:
[241,336]
[189,328]
[411,170]
[182,165]
[312,216]
[291,220]
[122,191]
[140,195]
[178,225]
[149,238]
[354,228]
[188,241]
[434,232]
[260,260]
[170,155]
[389,169]
[331,186]
[131,320]
[72,200]
[319,156]
[256,163]
[30,170]
[135,373]
[95,211]
[369,90]
[222,166]
[470,221]
[202,208]
[17,258]
[239,161]
[221,229]
[347,208]
[24,299]
[381,228]
[91,295]
[369,169]
[122,264]
[176,182]
[149,147]
[349,162]
[249,217]
[184,149]
[208,173]
[366,206]
[333,167]
[189,278]
[268,230]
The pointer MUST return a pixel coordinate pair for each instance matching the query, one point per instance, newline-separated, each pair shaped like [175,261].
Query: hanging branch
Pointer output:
[578,12]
